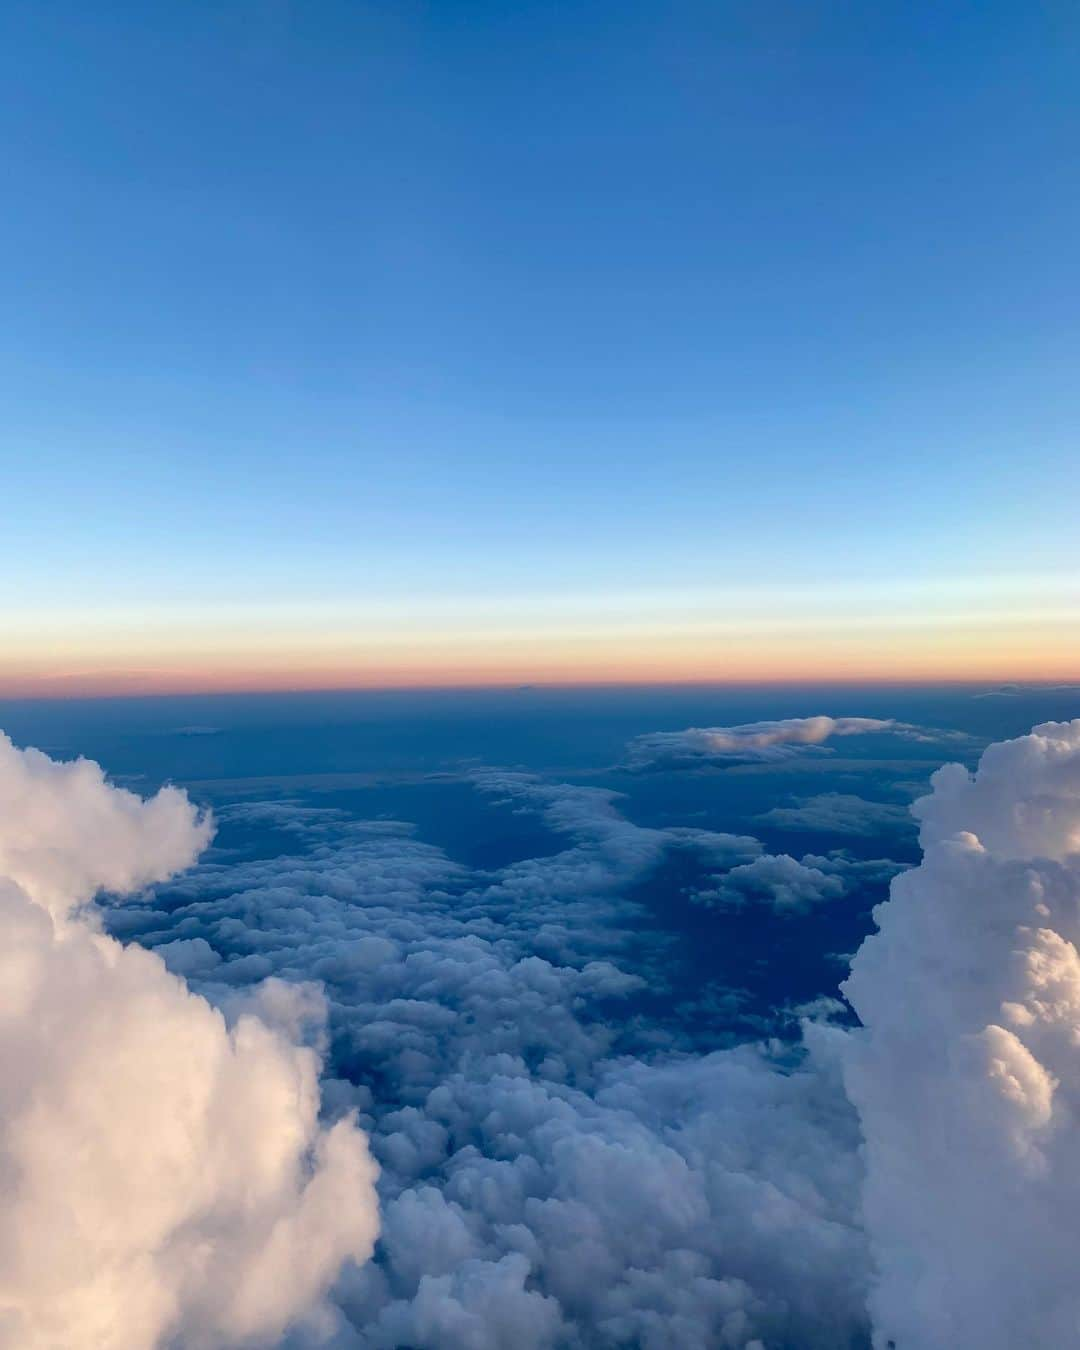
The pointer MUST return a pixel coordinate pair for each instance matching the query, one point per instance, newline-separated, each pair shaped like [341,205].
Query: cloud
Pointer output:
[558,1169]
[793,886]
[704,1202]
[966,1074]
[65,833]
[554,1171]
[1015,690]
[787,885]
[838,813]
[165,1176]
[760,741]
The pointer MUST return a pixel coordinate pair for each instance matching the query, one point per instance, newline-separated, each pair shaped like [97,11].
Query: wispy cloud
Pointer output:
[839,813]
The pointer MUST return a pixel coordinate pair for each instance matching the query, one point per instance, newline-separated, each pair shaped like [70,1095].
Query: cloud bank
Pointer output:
[164,1175]
[758,741]
[559,1172]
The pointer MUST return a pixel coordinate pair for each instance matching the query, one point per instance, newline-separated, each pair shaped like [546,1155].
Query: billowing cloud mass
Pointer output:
[758,740]
[967,1074]
[556,1171]
[561,1167]
[164,1175]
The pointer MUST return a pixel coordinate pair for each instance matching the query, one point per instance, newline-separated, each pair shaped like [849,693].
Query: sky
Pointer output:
[353,343]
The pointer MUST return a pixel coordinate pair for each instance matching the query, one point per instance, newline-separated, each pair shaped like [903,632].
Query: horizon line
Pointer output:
[1021,683]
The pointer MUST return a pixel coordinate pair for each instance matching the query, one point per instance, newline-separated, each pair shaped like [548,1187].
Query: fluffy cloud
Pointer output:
[65,833]
[759,740]
[556,1172]
[165,1177]
[791,885]
[702,1202]
[966,1074]
[839,813]
[787,884]
[559,1169]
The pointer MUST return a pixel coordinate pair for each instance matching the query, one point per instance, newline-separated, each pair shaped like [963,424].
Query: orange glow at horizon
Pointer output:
[1018,650]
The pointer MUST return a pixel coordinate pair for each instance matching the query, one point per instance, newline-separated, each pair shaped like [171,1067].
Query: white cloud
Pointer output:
[65,833]
[165,1178]
[761,740]
[967,1076]
[785,883]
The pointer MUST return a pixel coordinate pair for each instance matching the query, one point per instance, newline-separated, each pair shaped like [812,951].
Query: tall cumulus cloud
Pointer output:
[165,1177]
[966,1075]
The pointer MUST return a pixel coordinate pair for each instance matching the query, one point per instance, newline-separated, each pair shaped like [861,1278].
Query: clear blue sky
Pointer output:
[336,300]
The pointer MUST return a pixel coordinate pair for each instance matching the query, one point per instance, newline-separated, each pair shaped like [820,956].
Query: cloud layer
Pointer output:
[557,1170]
[758,741]
[560,1170]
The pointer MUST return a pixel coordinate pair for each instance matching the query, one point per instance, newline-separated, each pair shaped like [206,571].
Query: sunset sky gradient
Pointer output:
[375,344]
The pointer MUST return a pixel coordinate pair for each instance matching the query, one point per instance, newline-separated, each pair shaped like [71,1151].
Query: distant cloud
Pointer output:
[839,813]
[760,740]
[793,886]
[787,885]
[1015,690]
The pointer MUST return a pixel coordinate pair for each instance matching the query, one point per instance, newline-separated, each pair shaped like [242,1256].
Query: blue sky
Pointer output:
[412,304]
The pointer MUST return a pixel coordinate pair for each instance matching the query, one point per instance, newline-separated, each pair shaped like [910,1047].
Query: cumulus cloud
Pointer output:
[703,1202]
[788,885]
[556,1172]
[791,885]
[65,833]
[839,813]
[165,1177]
[966,1074]
[759,741]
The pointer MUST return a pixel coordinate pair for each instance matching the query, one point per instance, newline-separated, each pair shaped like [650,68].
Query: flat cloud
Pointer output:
[760,741]
[839,813]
